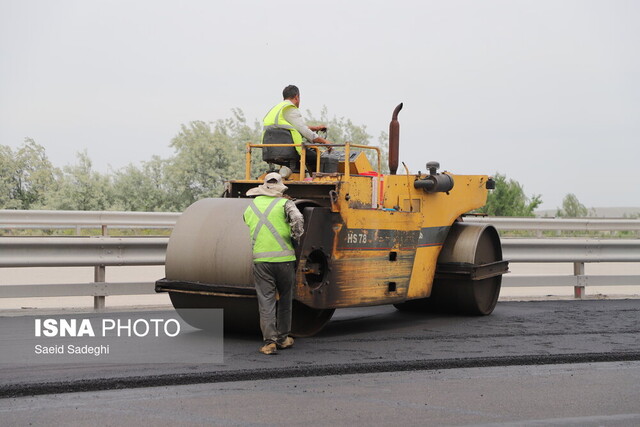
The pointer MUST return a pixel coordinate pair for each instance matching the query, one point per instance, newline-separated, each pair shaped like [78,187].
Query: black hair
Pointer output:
[290,91]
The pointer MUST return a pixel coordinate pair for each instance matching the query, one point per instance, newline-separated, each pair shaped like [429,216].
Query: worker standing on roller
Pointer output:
[284,124]
[273,222]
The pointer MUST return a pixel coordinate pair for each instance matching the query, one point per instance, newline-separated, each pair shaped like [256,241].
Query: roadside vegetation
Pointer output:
[206,155]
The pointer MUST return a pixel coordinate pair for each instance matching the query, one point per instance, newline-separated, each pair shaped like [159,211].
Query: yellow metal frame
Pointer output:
[303,156]
[364,273]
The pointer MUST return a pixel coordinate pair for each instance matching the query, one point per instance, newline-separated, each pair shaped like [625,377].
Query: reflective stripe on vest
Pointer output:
[275,120]
[274,245]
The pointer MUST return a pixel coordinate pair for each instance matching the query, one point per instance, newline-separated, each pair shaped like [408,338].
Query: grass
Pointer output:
[85,232]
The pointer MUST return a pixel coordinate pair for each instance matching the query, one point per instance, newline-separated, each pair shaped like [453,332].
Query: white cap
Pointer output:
[275,188]
[273,176]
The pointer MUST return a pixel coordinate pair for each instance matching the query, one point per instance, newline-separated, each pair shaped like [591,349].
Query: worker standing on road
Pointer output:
[284,124]
[273,222]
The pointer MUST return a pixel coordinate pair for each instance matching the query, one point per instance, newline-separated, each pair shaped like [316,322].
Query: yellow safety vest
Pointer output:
[275,119]
[270,231]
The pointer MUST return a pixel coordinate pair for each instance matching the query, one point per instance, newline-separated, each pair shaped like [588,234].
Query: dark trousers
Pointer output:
[275,315]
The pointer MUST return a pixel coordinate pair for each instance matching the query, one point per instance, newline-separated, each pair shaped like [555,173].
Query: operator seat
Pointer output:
[288,156]
[283,156]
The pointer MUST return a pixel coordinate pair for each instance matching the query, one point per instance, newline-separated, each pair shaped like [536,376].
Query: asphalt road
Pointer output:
[371,340]
[594,394]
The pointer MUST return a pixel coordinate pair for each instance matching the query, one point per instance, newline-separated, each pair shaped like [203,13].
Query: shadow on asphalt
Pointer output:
[363,320]
[370,321]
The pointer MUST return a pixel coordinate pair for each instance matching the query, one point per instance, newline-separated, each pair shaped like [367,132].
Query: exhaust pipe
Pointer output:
[394,141]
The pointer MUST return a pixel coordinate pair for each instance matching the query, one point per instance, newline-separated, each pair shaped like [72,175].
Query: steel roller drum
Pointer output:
[470,245]
[211,244]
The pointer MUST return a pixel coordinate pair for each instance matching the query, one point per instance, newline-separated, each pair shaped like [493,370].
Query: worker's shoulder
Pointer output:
[291,110]
[264,196]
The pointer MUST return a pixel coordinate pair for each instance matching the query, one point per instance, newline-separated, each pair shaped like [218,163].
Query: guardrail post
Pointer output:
[578,270]
[100,276]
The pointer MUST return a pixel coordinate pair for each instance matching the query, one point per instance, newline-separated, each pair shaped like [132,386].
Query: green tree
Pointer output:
[26,176]
[81,188]
[572,208]
[144,189]
[383,145]
[207,155]
[341,130]
[508,199]
[6,178]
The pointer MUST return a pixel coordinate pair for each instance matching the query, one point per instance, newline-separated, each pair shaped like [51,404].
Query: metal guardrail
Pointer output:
[576,251]
[101,252]
[85,219]
[81,251]
[136,251]
[571,250]
[97,252]
[73,219]
[558,224]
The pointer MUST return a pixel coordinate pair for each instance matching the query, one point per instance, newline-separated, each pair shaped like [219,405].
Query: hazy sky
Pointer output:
[546,92]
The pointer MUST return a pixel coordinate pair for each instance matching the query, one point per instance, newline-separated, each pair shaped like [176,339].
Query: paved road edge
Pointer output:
[112,383]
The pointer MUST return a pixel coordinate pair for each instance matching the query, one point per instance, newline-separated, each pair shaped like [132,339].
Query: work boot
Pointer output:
[287,343]
[269,348]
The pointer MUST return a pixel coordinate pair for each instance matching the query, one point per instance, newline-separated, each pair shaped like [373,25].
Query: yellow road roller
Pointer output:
[370,239]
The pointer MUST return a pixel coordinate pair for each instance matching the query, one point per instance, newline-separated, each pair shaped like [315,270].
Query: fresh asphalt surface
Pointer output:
[529,364]
[374,340]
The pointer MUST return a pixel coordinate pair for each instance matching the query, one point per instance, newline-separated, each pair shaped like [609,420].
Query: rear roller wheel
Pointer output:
[307,321]
[466,245]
